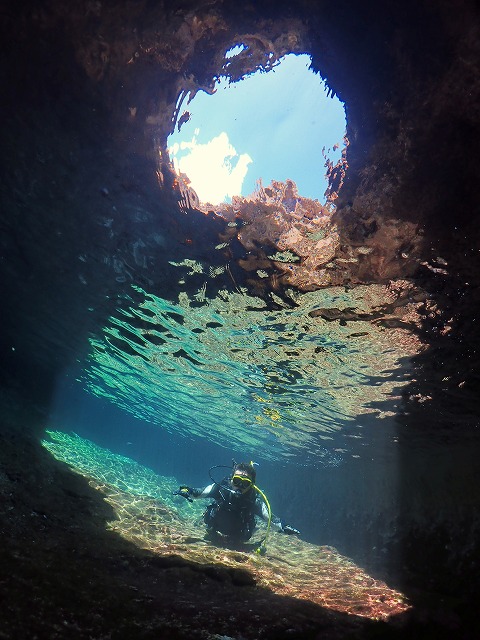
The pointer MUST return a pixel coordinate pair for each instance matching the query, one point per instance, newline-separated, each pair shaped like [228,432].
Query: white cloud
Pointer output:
[215,169]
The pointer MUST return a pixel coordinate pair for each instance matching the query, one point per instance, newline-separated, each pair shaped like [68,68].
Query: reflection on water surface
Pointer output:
[287,382]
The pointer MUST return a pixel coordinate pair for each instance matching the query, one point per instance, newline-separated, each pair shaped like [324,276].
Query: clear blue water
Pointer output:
[279,386]
[179,384]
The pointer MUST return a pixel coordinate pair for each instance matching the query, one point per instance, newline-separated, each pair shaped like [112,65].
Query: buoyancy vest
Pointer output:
[231,514]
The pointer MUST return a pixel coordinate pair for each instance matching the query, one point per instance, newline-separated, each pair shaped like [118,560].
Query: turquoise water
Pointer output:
[116,471]
[285,384]
[145,512]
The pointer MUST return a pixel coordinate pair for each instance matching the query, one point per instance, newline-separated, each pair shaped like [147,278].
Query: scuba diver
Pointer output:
[237,501]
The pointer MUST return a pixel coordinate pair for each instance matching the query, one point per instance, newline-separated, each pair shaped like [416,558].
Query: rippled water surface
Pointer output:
[288,382]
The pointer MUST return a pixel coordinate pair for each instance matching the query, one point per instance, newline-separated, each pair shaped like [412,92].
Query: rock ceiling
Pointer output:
[90,205]
[93,92]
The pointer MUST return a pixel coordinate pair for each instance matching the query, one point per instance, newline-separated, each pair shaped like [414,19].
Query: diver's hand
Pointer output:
[185,492]
[290,531]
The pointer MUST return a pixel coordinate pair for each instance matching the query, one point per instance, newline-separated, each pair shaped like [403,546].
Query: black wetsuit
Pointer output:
[231,513]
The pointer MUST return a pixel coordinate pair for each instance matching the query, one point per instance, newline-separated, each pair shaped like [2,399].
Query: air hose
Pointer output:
[262,547]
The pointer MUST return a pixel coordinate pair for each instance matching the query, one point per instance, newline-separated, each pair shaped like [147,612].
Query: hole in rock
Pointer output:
[278,125]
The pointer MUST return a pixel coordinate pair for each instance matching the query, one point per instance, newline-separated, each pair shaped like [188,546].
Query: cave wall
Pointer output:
[97,86]
[88,206]
[412,517]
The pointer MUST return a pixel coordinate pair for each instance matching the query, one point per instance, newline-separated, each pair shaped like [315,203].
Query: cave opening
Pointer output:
[278,122]
[83,232]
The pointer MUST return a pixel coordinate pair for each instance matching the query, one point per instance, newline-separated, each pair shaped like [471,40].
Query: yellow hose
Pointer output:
[262,547]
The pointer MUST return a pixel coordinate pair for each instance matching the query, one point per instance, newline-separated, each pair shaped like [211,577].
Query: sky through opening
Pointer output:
[270,125]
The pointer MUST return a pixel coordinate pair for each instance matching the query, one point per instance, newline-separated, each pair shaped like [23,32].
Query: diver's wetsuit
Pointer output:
[232,513]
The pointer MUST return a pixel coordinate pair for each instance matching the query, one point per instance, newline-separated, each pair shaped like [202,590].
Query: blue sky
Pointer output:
[269,125]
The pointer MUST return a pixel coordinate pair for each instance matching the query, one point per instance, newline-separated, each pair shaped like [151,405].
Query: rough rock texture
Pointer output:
[89,204]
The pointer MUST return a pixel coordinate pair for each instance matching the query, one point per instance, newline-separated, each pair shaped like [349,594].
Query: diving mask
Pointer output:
[242,483]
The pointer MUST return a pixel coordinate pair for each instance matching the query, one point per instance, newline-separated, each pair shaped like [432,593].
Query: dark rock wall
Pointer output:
[88,96]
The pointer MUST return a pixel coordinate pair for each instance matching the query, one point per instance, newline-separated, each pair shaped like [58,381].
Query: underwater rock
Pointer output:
[90,91]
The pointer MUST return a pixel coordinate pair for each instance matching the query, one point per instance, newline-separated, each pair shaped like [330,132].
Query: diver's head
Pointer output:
[243,477]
